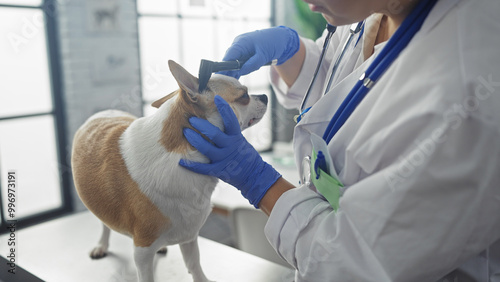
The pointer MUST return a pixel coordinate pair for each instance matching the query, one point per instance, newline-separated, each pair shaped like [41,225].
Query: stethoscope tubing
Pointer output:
[331,30]
[342,54]
[396,44]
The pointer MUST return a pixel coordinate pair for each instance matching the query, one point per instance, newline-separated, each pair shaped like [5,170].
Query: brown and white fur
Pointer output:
[126,169]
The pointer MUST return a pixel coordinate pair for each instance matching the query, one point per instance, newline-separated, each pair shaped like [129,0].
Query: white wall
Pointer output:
[100,60]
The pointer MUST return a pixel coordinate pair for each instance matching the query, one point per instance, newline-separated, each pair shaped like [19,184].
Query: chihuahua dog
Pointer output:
[126,169]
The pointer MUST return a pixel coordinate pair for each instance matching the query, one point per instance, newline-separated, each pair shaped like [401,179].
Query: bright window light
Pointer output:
[156,34]
[25,87]
[198,43]
[22,2]
[157,7]
[201,29]
[28,146]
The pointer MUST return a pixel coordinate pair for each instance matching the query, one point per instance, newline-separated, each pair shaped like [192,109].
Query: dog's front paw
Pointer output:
[99,252]
[204,280]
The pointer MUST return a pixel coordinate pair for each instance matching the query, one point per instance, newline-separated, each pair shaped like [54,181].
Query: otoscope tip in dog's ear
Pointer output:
[204,74]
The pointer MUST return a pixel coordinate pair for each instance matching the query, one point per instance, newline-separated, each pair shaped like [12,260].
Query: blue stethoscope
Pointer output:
[355,29]
[399,40]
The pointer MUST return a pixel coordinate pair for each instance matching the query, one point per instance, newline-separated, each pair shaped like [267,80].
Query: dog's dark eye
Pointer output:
[245,99]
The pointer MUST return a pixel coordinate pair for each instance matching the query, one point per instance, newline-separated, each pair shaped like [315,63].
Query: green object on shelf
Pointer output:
[311,24]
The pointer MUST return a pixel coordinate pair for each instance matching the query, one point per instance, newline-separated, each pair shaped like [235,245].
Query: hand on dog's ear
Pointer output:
[187,82]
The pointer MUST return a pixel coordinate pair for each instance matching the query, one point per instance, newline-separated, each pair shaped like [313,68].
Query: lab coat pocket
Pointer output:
[323,173]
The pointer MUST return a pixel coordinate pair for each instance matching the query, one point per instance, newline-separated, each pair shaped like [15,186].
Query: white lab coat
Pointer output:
[420,158]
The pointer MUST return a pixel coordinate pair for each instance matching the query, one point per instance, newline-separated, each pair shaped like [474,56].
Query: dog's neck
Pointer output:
[181,109]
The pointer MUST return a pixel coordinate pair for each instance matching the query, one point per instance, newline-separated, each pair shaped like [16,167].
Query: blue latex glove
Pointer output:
[260,47]
[233,159]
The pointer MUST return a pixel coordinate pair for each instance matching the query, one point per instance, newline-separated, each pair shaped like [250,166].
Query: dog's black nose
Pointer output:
[263,99]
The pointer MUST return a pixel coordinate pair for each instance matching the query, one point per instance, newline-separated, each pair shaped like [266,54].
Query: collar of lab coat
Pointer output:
[337,94]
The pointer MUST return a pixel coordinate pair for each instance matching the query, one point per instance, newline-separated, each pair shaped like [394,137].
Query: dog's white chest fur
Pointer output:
[181,195]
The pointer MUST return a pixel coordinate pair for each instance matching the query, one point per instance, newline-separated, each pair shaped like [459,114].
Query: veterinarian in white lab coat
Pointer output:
[418,158]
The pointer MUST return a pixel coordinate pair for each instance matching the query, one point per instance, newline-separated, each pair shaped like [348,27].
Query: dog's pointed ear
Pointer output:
[187,82]
[160,102]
